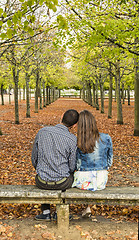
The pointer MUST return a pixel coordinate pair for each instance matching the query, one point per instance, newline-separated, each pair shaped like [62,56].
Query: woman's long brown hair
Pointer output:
[87,133]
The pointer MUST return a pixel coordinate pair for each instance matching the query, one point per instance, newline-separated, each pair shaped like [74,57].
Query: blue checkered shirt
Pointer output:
[54,152]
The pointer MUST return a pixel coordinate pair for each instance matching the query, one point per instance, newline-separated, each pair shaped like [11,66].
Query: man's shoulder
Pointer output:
[45,130]
[58,130]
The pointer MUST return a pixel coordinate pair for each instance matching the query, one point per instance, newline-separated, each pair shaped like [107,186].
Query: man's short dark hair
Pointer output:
[70,117]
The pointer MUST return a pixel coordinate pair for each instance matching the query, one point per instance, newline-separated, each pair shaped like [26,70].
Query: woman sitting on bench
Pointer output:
[94,156]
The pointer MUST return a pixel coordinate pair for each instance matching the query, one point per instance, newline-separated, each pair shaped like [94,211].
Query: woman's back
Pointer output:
[100,158]
[94,154]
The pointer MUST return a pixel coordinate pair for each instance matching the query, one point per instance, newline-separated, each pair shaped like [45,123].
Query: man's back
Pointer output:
[54,157]
[54,152]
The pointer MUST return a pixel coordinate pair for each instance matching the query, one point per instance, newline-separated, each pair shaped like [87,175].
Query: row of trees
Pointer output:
[97,74]
[35,66]
[104,42]
[29,59]
[102,39]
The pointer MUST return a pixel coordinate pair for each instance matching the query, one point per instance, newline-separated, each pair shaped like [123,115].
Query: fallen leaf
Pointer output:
[10,234]
[2,229]
[110,233]
[48,235]
[78,227]
[94,232]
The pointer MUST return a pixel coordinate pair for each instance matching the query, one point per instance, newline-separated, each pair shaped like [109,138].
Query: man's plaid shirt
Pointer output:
[54,152]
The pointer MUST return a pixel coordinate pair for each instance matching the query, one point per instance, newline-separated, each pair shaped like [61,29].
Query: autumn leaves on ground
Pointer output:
[16,146]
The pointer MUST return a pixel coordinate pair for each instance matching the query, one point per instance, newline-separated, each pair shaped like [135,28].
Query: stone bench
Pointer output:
[70,96]
[128,196]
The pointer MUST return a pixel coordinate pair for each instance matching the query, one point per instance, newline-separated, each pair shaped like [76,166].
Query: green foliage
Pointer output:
[62,22]
[9,33]
[91,31]
[21,16]
[123,1]
[9,23]
[1,11]
[100,32]
[3,36]
[30,31]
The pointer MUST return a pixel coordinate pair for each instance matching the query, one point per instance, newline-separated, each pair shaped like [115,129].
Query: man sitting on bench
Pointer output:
[54,158]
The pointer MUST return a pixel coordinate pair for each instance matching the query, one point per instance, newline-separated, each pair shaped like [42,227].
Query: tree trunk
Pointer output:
[115,89]
[52,94]
[123,95]
[30,93]
[94,95]
[83,93]
[136,88]
[19,94]
[40,87]
[47,95]
[89,95]
[27,96]
[119,105]
[56,96]
[110,93]
[2,97]
[97,103]
[128,95]
[9,94]
[24,90]
[101,93]
[59,94]
[16,78]
[37,91]
[44,100]
[80,93]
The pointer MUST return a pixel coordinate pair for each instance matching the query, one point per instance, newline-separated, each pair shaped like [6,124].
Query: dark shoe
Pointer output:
[70,217]
[46,217]
[55,217]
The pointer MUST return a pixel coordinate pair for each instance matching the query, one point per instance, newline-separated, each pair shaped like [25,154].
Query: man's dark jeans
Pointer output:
[62,186]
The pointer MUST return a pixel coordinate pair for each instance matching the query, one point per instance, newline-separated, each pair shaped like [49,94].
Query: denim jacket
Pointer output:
[100,159]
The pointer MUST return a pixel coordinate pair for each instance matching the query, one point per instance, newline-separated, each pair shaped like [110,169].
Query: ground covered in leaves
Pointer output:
[15,164]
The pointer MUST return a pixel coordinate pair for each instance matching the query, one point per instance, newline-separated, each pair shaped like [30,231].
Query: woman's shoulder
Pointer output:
[104,136]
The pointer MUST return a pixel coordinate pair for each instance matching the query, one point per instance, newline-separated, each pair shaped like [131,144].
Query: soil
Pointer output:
[95,227]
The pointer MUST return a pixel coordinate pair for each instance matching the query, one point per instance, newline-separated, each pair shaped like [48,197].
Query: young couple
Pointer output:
[63,161]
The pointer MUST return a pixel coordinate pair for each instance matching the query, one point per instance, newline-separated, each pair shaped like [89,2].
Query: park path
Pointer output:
[16,142]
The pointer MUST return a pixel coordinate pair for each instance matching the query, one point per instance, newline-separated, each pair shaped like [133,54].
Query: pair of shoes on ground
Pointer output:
[86,212]
[47,217]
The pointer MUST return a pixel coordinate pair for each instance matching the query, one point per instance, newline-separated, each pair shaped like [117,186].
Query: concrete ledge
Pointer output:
[110,195]
[28,194]
[31,194]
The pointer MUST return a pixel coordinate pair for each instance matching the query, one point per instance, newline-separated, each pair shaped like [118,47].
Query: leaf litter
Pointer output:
[15,157]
